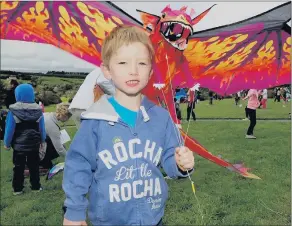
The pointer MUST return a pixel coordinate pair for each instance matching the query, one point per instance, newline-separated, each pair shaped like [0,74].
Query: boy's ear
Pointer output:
[105,71]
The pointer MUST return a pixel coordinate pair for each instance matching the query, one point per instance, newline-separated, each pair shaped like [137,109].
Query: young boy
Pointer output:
[123,140]
[25,131]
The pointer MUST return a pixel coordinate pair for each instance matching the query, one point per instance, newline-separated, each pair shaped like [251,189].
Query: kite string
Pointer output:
[180,141]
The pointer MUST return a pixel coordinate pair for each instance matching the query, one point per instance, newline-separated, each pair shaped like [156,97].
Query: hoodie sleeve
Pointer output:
[78,171]
[9,129]
[42,129]
[172,141]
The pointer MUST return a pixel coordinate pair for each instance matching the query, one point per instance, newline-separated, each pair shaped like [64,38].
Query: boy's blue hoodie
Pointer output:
[119,166]
[23,114]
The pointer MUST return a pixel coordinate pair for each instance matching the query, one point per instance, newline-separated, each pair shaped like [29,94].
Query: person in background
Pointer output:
[252,105]
[284,96]
[54,147]
[25,132]
[237,98]
[177,109]
[278,95]
[198,97]
[245,92]
[10,95]
[191,105]
[260,100]
[42,106]
[264,98]
[3,115]
[211,94]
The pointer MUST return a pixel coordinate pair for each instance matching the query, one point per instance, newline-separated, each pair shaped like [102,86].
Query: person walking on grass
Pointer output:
[264,98]
[237,98]
[245,110]
[25,132]
[284,96]
[191,105]
[252,104]
[277,95]
[177,109]
[211,97]
[119,136]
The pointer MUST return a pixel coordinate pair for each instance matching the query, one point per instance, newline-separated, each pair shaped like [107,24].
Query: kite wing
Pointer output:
[74,26]
[79,28]
[253,53]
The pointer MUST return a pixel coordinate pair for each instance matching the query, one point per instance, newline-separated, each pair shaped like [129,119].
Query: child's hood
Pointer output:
[25,108]
[103,110]
[26,111]
[24,93]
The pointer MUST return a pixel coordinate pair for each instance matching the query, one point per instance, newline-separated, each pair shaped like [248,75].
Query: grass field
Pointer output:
[227,109]
[222,197]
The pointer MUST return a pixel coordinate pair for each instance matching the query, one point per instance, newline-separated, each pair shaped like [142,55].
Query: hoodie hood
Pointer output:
[103,110]
[26,111]
[25,93]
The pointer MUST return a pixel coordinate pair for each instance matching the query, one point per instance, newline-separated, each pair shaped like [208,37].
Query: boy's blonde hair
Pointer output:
[62,109]
[124,35]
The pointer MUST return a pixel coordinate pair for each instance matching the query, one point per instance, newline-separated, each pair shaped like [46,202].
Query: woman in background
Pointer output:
[54,147]
[252,104]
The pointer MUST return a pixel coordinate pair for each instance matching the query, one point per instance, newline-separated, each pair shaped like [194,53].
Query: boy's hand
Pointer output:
[184,158]
[74,223]
[6,148]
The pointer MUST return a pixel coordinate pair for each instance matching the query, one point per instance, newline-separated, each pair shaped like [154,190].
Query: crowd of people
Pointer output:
[256,99]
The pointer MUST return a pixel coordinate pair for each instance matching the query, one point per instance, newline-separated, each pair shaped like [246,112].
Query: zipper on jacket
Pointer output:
[135,134]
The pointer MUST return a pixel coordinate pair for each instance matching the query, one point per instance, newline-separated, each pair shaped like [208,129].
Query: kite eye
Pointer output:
[163,15]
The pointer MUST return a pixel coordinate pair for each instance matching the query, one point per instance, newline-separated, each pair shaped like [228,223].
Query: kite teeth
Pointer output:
[196,87]
[159,85]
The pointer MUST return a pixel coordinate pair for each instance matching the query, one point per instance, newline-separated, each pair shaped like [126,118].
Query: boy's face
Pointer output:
[130,68]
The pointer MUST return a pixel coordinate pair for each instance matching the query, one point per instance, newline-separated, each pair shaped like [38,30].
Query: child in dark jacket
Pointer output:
[25,132]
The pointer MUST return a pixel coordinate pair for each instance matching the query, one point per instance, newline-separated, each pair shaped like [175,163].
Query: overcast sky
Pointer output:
[24,56]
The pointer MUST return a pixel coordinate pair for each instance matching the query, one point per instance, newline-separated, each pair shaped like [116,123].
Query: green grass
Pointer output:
[225,198]
[65,99]
[227,109]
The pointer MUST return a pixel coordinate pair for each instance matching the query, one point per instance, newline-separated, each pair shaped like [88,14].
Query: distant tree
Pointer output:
[34,81]
[2,93]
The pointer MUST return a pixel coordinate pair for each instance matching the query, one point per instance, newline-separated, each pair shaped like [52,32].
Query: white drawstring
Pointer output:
[144,113]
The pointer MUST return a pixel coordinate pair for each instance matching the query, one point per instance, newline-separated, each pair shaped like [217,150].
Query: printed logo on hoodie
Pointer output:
[147,185]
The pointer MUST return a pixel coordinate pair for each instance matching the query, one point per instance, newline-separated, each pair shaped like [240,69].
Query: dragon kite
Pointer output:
[253,53]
